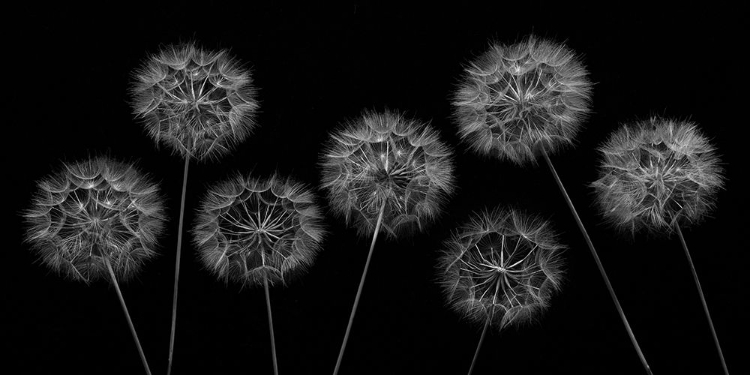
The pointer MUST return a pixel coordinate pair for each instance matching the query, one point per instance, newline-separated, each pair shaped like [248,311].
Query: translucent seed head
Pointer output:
[656,173]
[515,99]
[199,103]
[251,230]
[502,268]
[383,158]
[93,210]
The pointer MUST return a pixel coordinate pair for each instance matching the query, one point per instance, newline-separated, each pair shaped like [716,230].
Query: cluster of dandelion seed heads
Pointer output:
[501,268]
[514,100]
[200,103]
[94,210]
[251,230]
[656,173]
[384,159]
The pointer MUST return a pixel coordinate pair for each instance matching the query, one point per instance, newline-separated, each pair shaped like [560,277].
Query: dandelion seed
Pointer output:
[259,232]
[659,175]
[501,269]
[96,219]
[385,173]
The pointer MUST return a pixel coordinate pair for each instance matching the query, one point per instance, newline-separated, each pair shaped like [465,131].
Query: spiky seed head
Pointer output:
[92,210]
[200,103]
[656,173]
[502,267]
[516,99]
[385,159]
[252,229]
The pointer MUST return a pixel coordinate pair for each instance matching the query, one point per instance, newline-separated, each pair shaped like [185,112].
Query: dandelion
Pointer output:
[259,232]
[96,219]
[522,101]
[501,269]
[660,174]
[385,173]
[656,174]
[386,162]
[201,104]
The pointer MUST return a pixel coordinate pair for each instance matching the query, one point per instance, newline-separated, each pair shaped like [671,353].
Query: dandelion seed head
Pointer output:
[91,210]
[198,102]
[502,267]
[250,230]
[383,158]
[515,99]
[656,173]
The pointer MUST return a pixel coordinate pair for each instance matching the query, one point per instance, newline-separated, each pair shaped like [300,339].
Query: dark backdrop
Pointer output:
[67,80]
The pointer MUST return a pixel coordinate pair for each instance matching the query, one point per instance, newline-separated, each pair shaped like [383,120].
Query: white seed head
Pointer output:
[656,173]
[94,210]
[251,230]
[514,100]
[501,267]
[385,159]
[200,103]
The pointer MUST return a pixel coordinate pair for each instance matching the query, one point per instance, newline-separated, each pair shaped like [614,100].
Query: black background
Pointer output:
[67,81]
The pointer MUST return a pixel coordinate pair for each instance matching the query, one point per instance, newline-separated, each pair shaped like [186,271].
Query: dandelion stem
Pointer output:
[598,262]
[479,346]
[127,315]
[270,326]
[703,298]
[177,265]
[359,290]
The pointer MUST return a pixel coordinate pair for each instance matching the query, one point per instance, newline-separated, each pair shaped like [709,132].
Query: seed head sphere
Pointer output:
[515,100]
[501,268]
[656,173]
[249,230]
[95,209]
[383,158]
[200,103]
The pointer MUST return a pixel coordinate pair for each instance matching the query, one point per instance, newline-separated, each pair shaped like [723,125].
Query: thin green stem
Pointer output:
[177,265]
[270,326]
[127,315]
[479,346]
[703,298]
[598,262]
[359,290]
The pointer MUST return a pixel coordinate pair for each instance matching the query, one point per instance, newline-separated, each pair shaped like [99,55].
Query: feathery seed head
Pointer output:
[200,103]
[501,267]
[515,99]
[383,158]
[249,230]
[91,210]
[656,173]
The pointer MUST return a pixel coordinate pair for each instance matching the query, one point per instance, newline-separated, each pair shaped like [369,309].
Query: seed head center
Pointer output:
[500,269]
